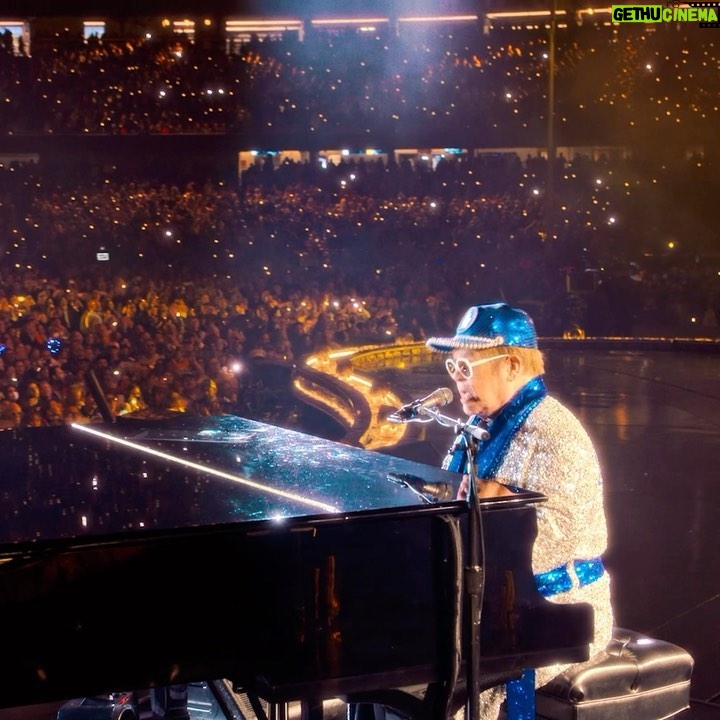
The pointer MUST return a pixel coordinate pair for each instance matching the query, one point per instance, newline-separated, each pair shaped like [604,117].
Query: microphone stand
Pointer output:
[474,582]
[474,572]
[476,432]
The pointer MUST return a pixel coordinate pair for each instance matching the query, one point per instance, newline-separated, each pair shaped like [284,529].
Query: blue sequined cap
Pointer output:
[486,326]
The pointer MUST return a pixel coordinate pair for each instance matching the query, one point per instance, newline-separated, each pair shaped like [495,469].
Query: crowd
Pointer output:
[617,84]
[170,290]
[160,345]
[283,266]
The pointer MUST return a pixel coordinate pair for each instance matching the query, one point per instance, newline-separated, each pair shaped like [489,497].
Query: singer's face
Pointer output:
[488,388]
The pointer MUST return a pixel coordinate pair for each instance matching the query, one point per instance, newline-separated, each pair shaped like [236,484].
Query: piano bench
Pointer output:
[635,678]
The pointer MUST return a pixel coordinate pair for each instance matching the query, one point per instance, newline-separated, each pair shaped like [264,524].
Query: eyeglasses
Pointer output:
[465,367]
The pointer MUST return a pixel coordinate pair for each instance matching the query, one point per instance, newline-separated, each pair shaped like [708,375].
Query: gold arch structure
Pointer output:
[354,367]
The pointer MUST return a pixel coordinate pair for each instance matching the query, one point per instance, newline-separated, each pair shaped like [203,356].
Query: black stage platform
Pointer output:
[653,410]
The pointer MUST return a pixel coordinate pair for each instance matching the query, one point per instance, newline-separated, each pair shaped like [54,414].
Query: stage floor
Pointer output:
[655,418]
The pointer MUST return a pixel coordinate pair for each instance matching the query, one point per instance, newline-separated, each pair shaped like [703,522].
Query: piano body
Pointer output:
[141,554]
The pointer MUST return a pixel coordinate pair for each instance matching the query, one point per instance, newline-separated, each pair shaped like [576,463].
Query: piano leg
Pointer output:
[311,709]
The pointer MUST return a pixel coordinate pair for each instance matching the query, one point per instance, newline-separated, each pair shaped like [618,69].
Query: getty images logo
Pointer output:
[703,13]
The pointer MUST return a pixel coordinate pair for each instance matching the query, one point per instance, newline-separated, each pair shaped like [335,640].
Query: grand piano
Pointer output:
[149,553]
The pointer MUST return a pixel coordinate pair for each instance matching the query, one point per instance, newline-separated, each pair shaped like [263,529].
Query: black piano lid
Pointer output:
[86,481]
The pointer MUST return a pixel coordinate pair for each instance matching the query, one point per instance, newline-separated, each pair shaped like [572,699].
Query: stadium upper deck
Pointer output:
[306,8]
[299,9]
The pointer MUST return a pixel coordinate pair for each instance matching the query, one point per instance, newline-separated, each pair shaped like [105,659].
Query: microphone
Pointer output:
[437,398]
[429,491]
[477,427]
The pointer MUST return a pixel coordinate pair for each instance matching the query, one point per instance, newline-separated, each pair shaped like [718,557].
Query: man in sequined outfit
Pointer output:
[537,444]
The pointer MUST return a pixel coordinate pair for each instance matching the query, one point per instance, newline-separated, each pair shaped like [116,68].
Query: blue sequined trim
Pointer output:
[588,571]
[521,696]
[558,580]
[502,429]
[553,581]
